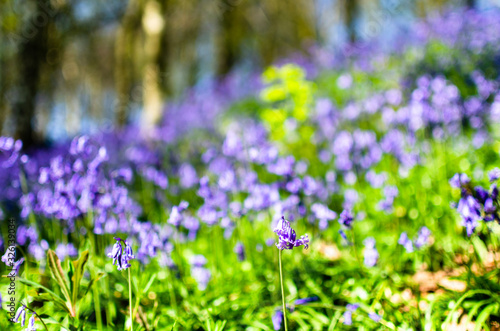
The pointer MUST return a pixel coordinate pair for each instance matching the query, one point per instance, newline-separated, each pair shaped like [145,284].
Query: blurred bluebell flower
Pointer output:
[198,271]
[323,214]
[423,237]
[305,300]
[370,253]
[346,219]
[406,242]
[459,180]
[375,317]
[239,249]
[494,174]
[277,320]
[350,308]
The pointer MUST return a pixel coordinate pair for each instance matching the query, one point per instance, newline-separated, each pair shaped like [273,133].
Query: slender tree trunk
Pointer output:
[32,52]
[124,50]
[153,25]
[351,13]
[231,35]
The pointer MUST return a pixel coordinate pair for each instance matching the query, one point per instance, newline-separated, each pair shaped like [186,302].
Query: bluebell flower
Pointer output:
[459,180]
[17,265]
[406,242]
[305,300]
[350,308]
[423,237]
[277,319]
[116,253]
[323,214]
[198,271]
[239,249]
[20,316]
[370,253]
[375,317]
[346,219]
[120,256]
[31,323]
[494,174]
[287,236]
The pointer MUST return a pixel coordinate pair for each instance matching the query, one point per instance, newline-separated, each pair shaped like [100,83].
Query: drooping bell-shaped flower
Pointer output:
[288,237]
[20,315]
[116,253]
[127,256]
[31,323]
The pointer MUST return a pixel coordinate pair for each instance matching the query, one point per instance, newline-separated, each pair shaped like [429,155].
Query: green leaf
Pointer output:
[57,299]
[79,267]
[485,313]
[58,274]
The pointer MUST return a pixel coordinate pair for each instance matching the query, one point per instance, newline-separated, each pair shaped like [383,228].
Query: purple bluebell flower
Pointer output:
[31,323]
[176,216]
[375,317]
[198,271]
[346,219]
[494,174]
[120,256]
[17,265]
[117,253]
[423,237]
[283,166]
[406,242]
[239,249]
[459,180]
[269,242]
[5,257]
[481,194]
[305,300]
[20,316]
[370,252]
[187,175]
[277,319]
[127,256]
[350,308]
[64,250]
[287,236]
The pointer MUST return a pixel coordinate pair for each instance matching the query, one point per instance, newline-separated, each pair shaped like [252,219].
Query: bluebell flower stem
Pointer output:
[130,300]
[282,292]
[95,291]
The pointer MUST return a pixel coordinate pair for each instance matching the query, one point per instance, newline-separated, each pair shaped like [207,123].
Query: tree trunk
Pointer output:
[231,35]
[351,13]
[32,52]
[153,25]
[124,49]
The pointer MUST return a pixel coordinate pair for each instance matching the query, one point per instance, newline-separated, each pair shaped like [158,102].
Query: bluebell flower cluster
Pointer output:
[476,203]
[121,255]
[422,239]
[20,317]
[199,272]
